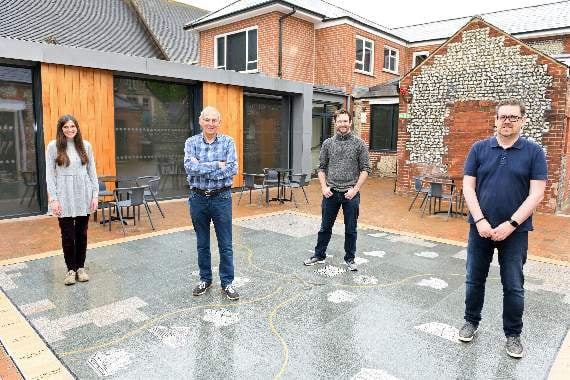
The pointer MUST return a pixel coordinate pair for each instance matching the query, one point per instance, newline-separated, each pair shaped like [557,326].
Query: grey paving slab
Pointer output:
[396,318]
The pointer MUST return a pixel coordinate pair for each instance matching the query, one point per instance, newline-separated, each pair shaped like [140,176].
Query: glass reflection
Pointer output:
[152,121]
[18,166]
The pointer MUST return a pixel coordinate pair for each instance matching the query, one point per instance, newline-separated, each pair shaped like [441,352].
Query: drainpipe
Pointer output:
[281,19]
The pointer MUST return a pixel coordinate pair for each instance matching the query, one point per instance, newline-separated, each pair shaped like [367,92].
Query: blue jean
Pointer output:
[512,257]
[218,209]
[329,208]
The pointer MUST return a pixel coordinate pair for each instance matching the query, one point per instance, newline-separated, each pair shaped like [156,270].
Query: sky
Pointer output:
[396,13]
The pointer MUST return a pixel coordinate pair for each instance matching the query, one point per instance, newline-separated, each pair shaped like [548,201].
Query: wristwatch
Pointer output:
[513,223]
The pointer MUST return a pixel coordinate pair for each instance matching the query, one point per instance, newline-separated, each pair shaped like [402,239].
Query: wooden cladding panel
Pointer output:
[86,94]
[229,101]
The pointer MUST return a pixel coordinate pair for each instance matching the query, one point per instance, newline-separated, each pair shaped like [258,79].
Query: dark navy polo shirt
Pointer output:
[503,177]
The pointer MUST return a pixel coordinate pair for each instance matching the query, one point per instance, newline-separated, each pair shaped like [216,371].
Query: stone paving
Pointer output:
[396,318]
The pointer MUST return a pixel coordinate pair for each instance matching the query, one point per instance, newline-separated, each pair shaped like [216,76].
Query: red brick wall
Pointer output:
[298,43]
[336,53]
[565,40]
[555,141]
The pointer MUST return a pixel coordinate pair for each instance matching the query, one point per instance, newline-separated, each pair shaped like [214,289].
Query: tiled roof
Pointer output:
[319,8]
[513,21]
[108,25]
[144,28]
[165,19]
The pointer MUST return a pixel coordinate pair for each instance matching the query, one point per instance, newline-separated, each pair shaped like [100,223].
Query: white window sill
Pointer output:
[390,71]
[370,74]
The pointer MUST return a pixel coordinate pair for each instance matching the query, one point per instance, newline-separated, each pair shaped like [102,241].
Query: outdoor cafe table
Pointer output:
[281,172]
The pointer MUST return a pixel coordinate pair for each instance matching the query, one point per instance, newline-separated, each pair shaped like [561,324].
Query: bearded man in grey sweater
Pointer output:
[344,165]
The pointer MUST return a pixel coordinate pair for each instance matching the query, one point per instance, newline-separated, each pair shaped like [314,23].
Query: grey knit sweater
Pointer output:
[343,158]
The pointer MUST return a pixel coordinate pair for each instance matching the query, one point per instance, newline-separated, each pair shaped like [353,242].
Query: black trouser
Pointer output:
[74,240]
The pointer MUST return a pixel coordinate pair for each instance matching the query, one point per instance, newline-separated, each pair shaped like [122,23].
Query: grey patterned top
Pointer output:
[343,158]
[73,186]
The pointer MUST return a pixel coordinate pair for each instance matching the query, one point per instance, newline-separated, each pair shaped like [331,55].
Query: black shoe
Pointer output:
[467,332]
[230,292]
[514,347]
[351,265]
[201,288]
[313,260]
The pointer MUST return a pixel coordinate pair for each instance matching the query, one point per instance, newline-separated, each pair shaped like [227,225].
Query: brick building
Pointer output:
[353,62]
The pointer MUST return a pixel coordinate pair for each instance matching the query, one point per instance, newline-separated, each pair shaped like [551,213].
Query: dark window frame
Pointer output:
[250,65]
[393,131]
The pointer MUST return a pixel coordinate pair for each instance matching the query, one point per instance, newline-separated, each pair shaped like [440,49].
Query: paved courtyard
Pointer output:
[396,318]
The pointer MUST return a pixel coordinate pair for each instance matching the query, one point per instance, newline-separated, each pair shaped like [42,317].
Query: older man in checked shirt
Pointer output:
[210,162]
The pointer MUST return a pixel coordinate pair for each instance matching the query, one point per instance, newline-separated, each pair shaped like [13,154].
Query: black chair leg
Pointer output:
[157,205]
[307,199]
[120,211]
[148,214]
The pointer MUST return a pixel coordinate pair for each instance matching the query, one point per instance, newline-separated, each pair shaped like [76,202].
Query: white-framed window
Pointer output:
[364,62]
[236,50]
[391,59]
[419,57]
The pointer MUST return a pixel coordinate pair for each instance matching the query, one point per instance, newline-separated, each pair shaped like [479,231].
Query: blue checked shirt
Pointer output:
[206,174]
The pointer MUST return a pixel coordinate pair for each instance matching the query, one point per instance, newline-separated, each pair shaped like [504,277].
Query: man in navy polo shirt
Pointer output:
[504,181]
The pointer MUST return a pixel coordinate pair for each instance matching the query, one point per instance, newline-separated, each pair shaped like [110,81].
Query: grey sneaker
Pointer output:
[230,292]
[82,275]
[351,265]
[201,288]
[69,278]
[514,347]
[313,260]
[467,332]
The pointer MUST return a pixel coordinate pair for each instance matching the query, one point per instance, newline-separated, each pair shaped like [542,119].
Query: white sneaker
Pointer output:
[82,275]
[69,278]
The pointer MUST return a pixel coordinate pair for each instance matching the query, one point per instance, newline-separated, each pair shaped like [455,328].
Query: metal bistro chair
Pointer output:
[296,181]
[102,204]
[271,179]
[437,193]
[249,184]
[419,188]
[129,197]
[151,192]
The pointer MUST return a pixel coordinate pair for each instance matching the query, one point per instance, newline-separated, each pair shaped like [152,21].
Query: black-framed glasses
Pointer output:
[511,118]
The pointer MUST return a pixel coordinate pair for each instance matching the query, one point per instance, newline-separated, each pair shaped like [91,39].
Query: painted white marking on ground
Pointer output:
[110,362]
[329,271]
[220,317]
[463,256]
[373,374]
[6,279]
[375,253]
[174,337]
[240,281]
[378,234]
[441,330]
[287,224]
[37,307]
[433,282]
[365,280]
[552,278]
[411,240]
[360,260]
[54,330]
[341,296]
[427,254]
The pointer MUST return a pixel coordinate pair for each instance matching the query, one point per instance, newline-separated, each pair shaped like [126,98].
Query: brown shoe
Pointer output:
[82,275]
[69,278]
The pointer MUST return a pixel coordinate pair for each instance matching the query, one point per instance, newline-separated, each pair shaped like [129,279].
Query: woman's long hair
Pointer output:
[61,142]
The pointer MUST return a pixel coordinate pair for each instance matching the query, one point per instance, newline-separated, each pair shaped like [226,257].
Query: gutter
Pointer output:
[281,20]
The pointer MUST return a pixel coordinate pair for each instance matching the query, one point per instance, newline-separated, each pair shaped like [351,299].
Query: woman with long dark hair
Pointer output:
[73,193]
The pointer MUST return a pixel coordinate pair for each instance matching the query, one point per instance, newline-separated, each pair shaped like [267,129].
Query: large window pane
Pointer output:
[220,51]
[384,127]
[252,45]
[236,53]
[266,133]
[152,122]
[18,159]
